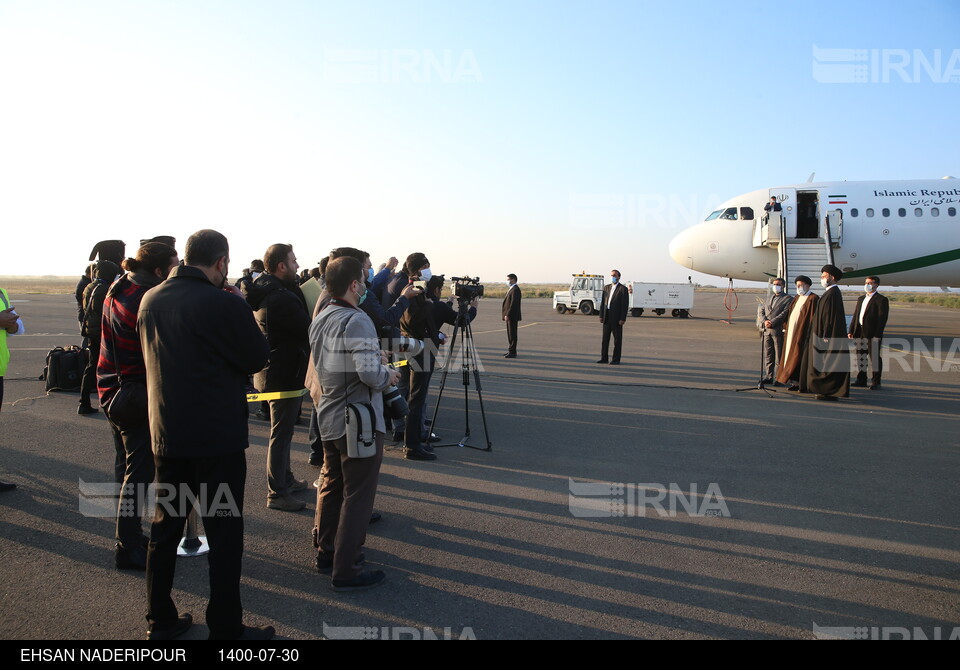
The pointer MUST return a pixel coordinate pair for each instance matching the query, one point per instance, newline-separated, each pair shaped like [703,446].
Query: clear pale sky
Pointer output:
[541,138]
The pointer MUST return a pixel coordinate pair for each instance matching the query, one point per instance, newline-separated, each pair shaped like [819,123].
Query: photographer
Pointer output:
[372,307]
[121,366]
[422,321]
[349,368]
[417,266]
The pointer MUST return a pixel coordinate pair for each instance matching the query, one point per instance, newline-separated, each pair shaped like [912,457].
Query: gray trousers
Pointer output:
[772,340]
[283,418]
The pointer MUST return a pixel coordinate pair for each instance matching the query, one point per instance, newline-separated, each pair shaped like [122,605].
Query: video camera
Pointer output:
[467,288]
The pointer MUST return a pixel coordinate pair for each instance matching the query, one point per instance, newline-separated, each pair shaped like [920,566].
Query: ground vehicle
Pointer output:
[678,298]
[586,293]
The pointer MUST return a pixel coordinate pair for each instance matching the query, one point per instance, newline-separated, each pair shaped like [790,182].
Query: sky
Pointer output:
[541,138]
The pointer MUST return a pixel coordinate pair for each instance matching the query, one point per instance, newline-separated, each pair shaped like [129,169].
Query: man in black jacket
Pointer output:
[511,314]
[613,314]
[93,296]
[866,327]
[200,342]
[282,315]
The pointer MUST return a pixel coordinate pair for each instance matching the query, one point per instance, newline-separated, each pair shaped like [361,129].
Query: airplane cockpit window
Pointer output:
[730,214]
[746,213]
[714,215]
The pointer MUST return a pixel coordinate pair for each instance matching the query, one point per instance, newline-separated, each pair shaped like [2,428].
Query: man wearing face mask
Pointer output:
[866,328]
[613,314]
[417,266]
[200,341]
[349,368]
[771,316]
[799,317]
[281,312]
[827,364]
[121,365]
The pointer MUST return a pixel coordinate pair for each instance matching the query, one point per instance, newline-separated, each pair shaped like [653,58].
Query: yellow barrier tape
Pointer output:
[397,364]
[276,395]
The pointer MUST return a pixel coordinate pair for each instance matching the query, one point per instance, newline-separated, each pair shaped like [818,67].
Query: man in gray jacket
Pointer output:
[771,316]
[350,369]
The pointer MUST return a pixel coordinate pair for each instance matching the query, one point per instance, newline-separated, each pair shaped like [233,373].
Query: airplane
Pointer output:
[905,232]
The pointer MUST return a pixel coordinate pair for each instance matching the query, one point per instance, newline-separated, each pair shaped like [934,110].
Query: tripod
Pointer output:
[468,358]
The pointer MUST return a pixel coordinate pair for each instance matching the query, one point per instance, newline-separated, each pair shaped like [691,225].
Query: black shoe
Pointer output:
[419,455]
[398,436]
[365,580]
[6,486]
[509,355]
[614,362]
[375,517]
[250,633]
[603,360]
[859,384]
[84,410]
[182,626]
[430,439]
[325,563]
[130,559]
[795,387]
[316,460]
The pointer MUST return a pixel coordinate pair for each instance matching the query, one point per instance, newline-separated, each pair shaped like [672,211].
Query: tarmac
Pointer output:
[649,500]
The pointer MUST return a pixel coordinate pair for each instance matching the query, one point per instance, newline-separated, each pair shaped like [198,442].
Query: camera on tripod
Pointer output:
[467,288]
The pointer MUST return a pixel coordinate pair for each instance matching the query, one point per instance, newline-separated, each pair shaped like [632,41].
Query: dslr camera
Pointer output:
[394,403]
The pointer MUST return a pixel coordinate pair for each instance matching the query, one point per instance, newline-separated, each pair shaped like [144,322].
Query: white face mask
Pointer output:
[869,288]
[824,283]
[778,289]
[801,290]
[425,274]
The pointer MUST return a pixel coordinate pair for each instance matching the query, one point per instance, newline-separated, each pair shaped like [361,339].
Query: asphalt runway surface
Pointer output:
[791,518]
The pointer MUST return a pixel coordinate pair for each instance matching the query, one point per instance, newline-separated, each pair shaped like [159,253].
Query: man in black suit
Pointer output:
[511,314]
[773,205]
[866,327]
[613,314]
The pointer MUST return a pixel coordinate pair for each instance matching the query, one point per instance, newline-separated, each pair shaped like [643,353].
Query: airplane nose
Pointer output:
[681,249]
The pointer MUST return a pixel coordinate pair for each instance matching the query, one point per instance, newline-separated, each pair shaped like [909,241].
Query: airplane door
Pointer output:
[787,197]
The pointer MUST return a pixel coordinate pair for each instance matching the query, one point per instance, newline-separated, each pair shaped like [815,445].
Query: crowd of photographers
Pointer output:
[174,346]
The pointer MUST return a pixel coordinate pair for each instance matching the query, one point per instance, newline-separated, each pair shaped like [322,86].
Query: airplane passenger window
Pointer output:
[714,215]
[918,212]
[902,212]
[870,212]
[746,213]
[952,211]
[886,212]
[934,212]
[730,213]
[854,212]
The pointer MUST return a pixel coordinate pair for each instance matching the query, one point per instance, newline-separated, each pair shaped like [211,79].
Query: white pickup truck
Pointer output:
[586,292]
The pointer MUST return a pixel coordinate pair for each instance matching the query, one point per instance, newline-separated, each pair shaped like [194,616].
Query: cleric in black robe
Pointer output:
[828,361]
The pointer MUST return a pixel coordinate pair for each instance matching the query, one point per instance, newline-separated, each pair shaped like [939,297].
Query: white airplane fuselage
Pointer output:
[905,232]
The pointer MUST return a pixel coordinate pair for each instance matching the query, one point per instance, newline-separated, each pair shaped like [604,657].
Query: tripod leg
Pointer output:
[443,377]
